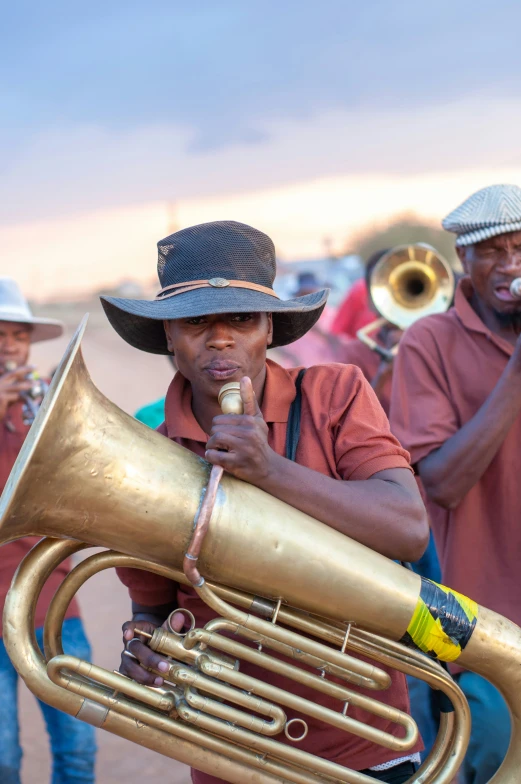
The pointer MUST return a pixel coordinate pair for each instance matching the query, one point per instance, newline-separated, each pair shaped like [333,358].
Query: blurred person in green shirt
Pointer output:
[153,414]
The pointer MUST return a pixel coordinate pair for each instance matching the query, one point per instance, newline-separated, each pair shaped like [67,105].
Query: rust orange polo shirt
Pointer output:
[446,368]
[12,436]
[345,435]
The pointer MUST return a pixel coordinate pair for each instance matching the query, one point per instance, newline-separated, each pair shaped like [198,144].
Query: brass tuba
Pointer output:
[89,474]
[407,283]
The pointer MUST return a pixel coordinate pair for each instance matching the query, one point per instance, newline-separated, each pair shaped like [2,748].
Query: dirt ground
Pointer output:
[130,378]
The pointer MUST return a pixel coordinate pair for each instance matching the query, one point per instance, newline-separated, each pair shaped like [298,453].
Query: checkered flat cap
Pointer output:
[487,213]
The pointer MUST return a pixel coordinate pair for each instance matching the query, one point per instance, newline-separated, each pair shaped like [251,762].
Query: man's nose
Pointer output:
[8,346]
[511,261]
[220,336]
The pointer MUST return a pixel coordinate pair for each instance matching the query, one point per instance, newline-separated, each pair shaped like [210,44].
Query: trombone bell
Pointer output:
[410,282]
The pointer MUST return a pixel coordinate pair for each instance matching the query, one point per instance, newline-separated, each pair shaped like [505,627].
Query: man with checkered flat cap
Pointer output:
[217,313]
[456,406]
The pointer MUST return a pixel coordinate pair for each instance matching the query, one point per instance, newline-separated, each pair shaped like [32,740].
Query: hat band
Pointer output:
[215,283]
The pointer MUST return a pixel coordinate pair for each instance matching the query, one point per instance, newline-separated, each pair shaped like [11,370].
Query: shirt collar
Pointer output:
[470,319]
[279,393]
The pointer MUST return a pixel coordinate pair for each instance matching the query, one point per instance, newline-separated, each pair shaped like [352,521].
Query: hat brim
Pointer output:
[42,328]
[485,233]
[140,322]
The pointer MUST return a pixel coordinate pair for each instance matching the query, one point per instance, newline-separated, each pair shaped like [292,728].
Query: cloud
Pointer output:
[89,167]
[93,250]
[122,103]
[228,69]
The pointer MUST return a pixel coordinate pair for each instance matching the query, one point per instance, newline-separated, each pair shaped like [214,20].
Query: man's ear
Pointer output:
[462,255]
[166,326]
[269,339]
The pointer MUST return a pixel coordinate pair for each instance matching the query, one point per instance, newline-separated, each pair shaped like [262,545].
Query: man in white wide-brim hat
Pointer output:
[456,406]
[72,741]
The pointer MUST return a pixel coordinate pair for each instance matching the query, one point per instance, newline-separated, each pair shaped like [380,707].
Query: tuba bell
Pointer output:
[407,283]
[89,474]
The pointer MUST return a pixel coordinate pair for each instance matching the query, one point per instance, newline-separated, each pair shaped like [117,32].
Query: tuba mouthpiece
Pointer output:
[230,398]
[515,288]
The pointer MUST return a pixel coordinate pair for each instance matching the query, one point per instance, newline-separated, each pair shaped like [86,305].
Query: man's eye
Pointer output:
[195,320]
[238,317]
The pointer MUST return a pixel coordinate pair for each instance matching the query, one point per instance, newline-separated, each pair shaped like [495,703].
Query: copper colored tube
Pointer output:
[201,527]
[231,403]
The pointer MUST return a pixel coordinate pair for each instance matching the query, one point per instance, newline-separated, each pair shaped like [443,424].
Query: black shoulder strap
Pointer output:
[293,430]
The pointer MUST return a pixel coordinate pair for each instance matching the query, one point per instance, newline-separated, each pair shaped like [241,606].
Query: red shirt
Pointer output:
[354,352]
[446,368]
[354,312]
[345,435]
[12,436]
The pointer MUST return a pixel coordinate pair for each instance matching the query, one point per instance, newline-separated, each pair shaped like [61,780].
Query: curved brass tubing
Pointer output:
[451,743]
[301,705]
[115,714]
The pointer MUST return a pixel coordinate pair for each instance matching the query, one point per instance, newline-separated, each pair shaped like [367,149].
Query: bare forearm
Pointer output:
[452,470]
[386,515]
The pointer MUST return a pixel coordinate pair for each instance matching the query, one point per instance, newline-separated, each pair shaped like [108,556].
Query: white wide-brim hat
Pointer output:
[14,307]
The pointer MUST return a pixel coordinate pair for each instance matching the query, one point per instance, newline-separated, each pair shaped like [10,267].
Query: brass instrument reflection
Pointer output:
[408,283]
[301,589]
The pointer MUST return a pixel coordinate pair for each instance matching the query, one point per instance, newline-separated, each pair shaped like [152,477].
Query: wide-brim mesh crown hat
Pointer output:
[487,213]
[14,308]
[219,267]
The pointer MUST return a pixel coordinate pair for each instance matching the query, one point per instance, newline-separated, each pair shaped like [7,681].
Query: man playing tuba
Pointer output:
[217,314]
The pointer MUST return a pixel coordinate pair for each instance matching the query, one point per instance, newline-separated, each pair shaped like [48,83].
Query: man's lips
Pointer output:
[221,370]
[502,292]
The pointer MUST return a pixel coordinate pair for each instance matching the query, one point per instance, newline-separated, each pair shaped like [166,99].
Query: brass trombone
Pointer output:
[407,283]
[299,588]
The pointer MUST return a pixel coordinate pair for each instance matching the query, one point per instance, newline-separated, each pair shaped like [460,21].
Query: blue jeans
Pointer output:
[490,734]
[73,744]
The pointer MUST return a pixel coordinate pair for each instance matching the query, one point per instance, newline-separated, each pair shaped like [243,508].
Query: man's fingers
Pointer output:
[10,397]
[148,659]
[223,459]
[129,626]
[237,420]
[132,669]
[251,407]
[141,658]
[176,620]
[19,386]
[242,432]
[20,372]
[227,441]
